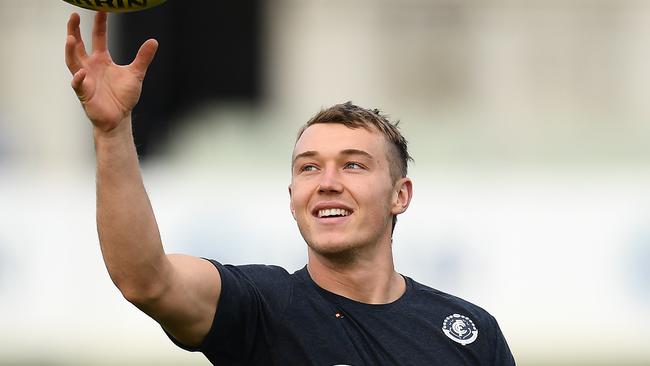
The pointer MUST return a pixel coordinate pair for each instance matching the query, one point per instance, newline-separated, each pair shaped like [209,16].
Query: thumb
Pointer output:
[77,83]
[144,57]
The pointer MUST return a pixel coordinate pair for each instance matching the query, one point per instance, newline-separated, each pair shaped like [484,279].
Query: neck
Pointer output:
[369,278]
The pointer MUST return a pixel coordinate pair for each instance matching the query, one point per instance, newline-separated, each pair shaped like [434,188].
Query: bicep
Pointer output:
[186,309]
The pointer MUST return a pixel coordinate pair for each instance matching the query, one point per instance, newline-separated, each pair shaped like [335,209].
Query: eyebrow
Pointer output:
[311,153]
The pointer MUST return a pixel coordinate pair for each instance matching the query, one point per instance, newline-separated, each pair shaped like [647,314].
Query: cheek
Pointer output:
[378,198]
[299,198]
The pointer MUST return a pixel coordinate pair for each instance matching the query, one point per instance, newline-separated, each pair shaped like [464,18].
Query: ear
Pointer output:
[293,211]
[402,194]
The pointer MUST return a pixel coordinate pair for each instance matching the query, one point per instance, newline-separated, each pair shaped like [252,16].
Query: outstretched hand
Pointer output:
[108,92]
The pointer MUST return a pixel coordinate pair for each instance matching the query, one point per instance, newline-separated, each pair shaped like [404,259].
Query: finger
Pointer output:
[77,83]
[71,59]
[144,57]
[73,30]
[99,32]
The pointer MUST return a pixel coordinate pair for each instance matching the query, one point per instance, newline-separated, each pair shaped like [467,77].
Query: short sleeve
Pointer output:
[252,297]
[502,354]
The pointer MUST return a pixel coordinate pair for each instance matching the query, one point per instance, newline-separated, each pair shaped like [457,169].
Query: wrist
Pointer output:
[122,129]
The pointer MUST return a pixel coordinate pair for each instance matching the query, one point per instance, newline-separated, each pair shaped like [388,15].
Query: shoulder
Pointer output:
[447,306]
[258,273]
[257,280]
[424,293]
[460,320]
[464,323]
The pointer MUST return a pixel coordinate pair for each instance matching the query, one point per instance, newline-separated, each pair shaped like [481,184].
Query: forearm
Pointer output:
[128,233]
[180,292]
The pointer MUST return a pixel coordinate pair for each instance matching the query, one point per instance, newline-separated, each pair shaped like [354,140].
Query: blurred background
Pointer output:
[528,122]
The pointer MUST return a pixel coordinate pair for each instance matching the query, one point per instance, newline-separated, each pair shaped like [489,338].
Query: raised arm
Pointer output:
[178,291]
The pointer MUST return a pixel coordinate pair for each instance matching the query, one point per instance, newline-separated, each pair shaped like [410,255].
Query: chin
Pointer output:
[334,249]
[330,248]
[329,241]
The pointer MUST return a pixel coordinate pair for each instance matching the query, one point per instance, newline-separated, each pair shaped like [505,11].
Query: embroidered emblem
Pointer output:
[460,329]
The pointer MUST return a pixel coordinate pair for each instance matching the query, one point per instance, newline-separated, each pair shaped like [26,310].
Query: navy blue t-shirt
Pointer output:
[267,316]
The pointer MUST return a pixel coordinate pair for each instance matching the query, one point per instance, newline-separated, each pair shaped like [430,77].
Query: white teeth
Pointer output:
[333,212]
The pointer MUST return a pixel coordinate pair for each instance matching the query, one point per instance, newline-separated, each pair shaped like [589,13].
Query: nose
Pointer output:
[330,182]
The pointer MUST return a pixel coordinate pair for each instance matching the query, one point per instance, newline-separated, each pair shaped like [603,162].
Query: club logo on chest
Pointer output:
[460,329]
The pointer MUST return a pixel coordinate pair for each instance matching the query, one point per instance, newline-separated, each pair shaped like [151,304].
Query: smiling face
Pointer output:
[342,194]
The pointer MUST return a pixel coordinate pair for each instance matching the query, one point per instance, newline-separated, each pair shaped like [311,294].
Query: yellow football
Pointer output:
[115,6]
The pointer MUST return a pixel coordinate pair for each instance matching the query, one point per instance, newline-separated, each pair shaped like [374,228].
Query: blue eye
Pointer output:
[308,168]
[352,165]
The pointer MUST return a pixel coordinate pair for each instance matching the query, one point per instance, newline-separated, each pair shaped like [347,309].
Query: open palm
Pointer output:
[108,92]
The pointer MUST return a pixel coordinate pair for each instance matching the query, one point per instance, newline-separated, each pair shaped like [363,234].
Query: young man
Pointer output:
[348,306]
